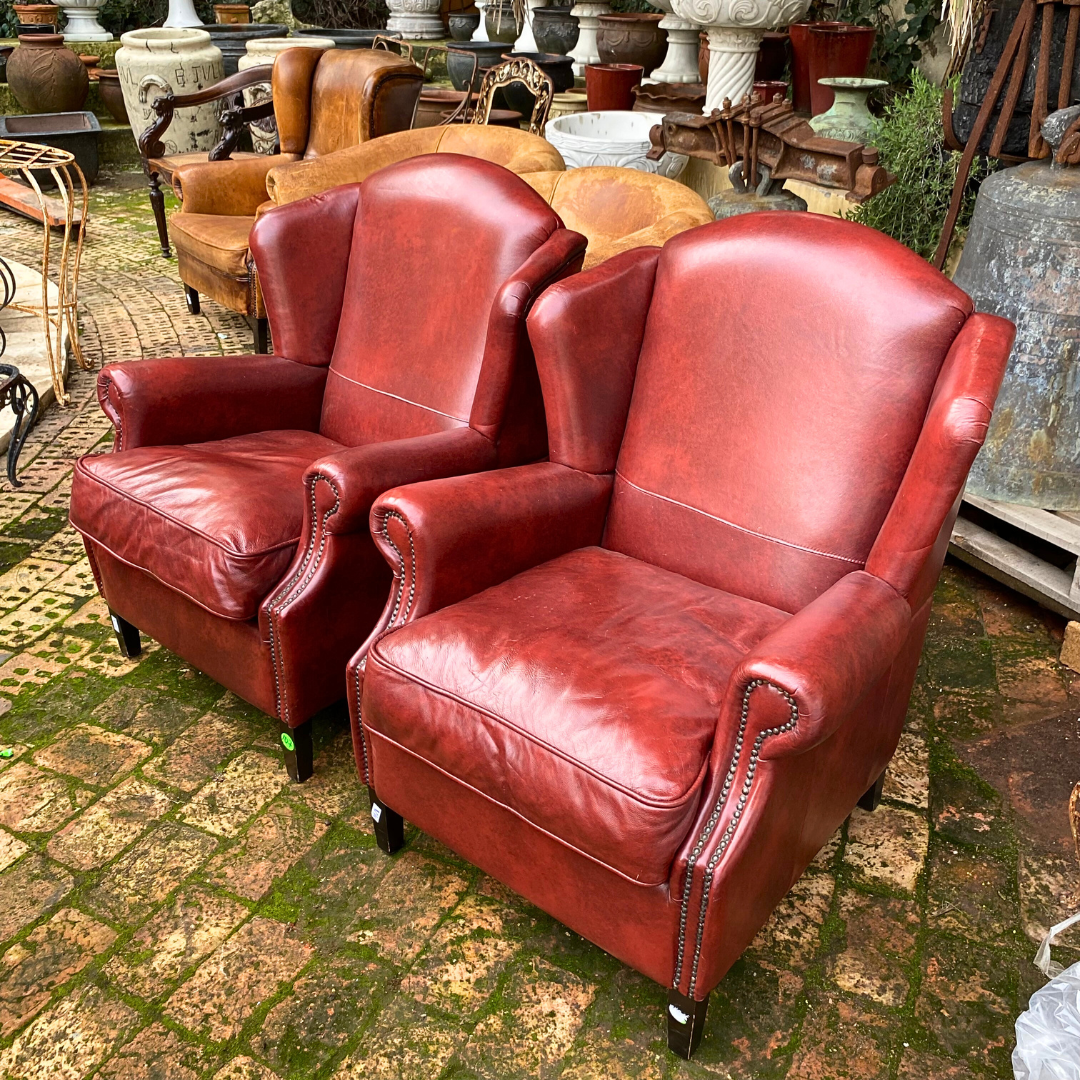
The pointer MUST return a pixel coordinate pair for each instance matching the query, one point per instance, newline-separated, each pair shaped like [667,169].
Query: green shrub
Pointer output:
[911,139]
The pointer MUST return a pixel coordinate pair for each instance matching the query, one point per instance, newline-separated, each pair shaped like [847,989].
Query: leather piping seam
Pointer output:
[277,605]
[694,791]
[360,719]
[740,528]
[161,581]
[397,397]
[232,553]
[401,568]
[732,825]
[521,817]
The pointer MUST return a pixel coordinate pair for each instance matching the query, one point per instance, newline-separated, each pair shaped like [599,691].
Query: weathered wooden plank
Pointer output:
[1012,566]
[1055,528]
[22,199]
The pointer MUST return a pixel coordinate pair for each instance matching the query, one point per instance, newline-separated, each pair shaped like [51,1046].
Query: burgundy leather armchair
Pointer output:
[231,521]
[642,683]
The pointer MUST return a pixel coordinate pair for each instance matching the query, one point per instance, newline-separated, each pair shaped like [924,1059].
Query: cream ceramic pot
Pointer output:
[264,51]
[610,138]
[164,61]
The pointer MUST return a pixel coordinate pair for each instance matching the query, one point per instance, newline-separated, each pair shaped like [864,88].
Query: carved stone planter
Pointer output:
[735,29]
[163,61]
[681,59]
[588,14]
[82,20]
[418,20]
[610,138]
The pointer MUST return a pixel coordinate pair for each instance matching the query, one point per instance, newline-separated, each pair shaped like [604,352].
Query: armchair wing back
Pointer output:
[231,522]
[642,683]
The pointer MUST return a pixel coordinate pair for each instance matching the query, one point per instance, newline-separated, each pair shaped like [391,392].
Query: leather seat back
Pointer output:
[358,94]
[786,368]
[425,266]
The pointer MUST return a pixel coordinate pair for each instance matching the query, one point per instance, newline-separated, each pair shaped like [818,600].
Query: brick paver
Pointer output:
[172,909]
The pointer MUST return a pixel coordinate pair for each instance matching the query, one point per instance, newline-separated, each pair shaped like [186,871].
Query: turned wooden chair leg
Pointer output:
[296,742]
[157,204]
[872,797]
[192,297]
[389,826]
[685,1023]
[127,636]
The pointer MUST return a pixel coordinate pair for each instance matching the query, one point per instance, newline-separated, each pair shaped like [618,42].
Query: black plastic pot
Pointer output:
[459,67]
[232,39]
[560,69]
[555,30]
[76,132]
[349,39]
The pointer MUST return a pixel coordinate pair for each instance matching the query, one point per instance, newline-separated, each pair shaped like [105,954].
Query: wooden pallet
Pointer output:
[1039,558]
[23,200]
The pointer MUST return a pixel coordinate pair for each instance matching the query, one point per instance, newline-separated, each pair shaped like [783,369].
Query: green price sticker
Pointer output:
[286,741]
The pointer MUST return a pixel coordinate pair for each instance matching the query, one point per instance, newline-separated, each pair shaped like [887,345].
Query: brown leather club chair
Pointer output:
[231,520]
[324,101]
[643,683]
[515,150]
[619,209]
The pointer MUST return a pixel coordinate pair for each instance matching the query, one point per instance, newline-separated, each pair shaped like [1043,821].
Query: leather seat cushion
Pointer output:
[582,694]
[216,521]
[219,240]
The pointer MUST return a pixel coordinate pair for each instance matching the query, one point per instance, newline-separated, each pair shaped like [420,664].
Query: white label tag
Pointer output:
[115,623]
[679,1016]
[376,813]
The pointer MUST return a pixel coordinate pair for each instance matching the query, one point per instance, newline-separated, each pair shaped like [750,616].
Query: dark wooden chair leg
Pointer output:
[261,330]
[389,827]
[685,1023]
[192,297]
[296,742]
[127,636]
[157,204]
[872,796]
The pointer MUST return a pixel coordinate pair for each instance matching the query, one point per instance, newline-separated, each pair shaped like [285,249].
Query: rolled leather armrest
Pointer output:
[188,399]
[233,188]
[656,235]
[360,474]
[822,661]
[448,539]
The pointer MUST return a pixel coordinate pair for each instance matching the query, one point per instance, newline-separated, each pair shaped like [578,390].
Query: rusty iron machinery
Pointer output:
[771,134]
[1022,260]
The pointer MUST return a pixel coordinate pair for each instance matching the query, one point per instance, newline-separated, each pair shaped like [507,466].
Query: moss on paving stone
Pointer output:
[905,951]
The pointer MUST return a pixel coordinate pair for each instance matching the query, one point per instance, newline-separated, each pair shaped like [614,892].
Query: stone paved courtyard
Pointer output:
[172,908]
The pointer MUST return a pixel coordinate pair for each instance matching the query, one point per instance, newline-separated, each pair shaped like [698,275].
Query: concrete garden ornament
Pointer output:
[735,29]
[610,138]
[82,21]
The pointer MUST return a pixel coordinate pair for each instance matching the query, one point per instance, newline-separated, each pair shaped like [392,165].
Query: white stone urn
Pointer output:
[610,138]
[82,24]
[680,61]
[480,33]
[181,14]
[163,61]
[526,42]
[735,29]
[264,51]
[417,20]
[588,14]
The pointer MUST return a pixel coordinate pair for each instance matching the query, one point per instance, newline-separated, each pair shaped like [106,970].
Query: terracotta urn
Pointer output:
[610,87]
[229,14]
[112,94]
[167,61]
[41,14]
[632,38]
[46,76]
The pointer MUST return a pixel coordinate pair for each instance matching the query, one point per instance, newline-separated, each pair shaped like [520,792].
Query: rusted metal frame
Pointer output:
[1037,147]
[982,122]
[1069,59]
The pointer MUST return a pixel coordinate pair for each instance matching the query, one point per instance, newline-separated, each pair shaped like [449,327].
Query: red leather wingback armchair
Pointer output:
[644,682]
[231,521]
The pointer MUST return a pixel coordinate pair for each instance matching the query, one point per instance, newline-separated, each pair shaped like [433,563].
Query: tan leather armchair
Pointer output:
[619,209]
[324,101]
[515,150]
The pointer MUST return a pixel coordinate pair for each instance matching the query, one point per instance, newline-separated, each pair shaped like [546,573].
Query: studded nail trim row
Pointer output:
[729,832]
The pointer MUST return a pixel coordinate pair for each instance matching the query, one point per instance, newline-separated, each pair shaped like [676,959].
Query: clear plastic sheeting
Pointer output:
[1048,1034]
